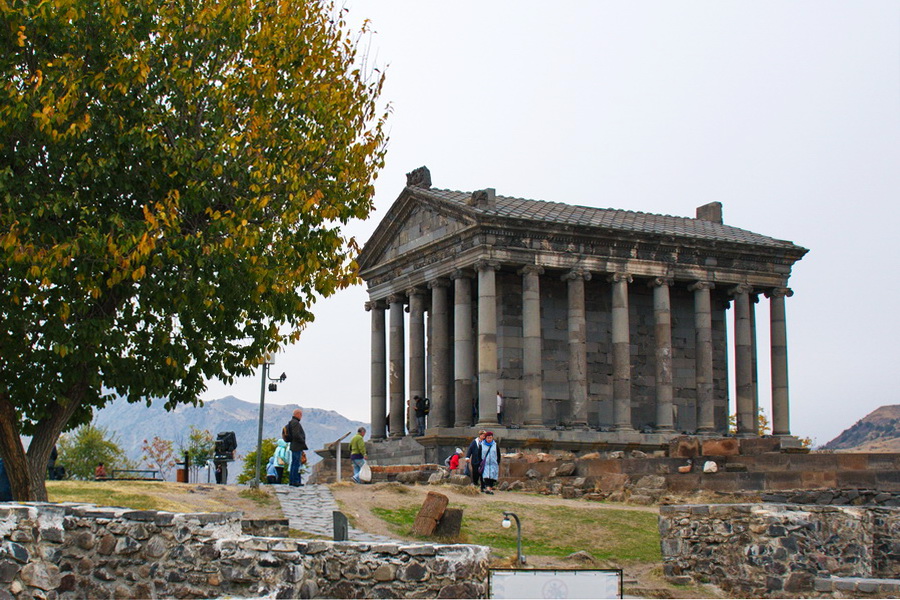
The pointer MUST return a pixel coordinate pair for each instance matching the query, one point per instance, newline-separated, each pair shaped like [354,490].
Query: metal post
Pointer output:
[338,477]
[338,442]
[262,401]
[520,558]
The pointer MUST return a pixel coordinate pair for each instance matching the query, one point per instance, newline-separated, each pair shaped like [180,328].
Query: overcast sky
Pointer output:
[786,112]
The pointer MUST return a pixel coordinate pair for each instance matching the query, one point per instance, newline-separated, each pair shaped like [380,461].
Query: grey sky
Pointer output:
[786,112]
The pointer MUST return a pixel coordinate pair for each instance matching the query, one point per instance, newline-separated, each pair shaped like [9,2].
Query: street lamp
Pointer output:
[273,387]
[520,558]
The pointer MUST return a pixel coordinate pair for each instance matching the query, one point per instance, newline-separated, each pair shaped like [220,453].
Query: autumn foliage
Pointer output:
[173,181]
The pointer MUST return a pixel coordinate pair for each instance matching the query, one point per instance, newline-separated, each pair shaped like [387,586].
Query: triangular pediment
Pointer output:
[411,223]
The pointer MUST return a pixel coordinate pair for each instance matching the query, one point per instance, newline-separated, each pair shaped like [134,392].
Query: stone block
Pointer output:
[450,524]
[721,447]
[611,482]
[431,512]
[684,447]
[759,445]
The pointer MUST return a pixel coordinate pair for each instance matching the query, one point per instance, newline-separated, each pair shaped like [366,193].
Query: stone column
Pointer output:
[706,416]
[662,324]
[416,353]
[397,368]
[463,348]
[441,410]
[379,369]
[754,369]
[487,342]
[531,332]
[578,386]
[621,343]
[781,423]
[743,361]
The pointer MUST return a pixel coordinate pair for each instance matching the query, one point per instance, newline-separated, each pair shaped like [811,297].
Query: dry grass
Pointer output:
[168,496]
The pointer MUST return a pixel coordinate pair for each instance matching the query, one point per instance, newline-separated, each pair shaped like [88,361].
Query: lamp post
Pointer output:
[262,402]
[520,558]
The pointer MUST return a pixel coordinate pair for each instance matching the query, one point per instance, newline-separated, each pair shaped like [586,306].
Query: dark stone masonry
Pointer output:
[83,551]
[769,550]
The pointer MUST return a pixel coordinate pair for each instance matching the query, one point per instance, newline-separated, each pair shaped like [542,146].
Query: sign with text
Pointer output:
[556,583]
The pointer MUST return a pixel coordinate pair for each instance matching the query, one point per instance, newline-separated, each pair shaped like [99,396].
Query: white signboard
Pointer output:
[551,583]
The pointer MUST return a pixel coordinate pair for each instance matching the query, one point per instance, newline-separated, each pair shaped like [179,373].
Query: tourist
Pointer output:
[499,407]
[100,471]
[421,410]
[490,463]
[272,475]
[282,458]
[473,458]
[358,452]
[298,444]
[453,463]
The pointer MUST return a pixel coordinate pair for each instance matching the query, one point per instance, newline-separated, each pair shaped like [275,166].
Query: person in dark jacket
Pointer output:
[473,459]
[298,445]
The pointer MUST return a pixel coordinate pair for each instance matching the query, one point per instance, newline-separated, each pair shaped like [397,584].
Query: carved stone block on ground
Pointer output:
[431,512]
[450,524]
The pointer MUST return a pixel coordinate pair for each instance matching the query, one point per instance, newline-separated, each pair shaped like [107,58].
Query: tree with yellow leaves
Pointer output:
[174,177]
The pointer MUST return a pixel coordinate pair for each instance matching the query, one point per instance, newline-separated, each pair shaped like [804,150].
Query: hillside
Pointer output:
[879,431]
[133,423]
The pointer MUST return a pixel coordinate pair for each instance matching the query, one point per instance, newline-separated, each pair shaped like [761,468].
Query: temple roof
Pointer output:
[604,218]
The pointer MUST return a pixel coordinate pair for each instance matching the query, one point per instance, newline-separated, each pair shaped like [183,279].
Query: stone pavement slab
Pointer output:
[309,508]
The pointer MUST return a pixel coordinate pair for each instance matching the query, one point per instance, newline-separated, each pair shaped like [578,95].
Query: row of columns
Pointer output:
[462,374]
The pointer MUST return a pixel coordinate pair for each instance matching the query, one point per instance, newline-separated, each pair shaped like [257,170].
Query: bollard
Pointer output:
[341,526]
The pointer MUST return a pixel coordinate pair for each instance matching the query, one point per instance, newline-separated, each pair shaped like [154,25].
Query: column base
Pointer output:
[664,430]
[624,428]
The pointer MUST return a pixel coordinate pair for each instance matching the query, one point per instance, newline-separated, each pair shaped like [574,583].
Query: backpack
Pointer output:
[426,406]
[286,433]
[447,461]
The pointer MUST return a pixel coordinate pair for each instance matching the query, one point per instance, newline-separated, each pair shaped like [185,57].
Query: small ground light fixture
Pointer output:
[520,558]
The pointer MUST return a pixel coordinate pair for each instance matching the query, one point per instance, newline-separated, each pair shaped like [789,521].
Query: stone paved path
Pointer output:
[309,507]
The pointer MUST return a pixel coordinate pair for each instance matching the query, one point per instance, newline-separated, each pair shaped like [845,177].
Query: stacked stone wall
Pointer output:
[79,551]
[773,550]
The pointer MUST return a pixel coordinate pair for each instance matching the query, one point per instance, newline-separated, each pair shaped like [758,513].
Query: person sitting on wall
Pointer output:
[100,472]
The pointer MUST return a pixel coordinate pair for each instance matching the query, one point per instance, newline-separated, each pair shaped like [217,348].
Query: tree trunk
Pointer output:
[13,454]
[28,471]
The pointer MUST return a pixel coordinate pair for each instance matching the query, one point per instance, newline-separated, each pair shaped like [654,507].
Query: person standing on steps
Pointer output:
[297,439]
[358,452]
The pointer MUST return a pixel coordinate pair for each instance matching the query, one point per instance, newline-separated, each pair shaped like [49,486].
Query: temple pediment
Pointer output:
[412,223]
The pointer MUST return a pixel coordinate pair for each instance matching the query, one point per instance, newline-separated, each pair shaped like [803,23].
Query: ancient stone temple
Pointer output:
[599,328]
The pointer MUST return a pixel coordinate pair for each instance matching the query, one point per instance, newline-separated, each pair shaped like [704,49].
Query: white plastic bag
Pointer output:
[365,473]
[710,467]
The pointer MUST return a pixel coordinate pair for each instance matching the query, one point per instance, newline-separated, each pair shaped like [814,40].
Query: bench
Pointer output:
[134,474]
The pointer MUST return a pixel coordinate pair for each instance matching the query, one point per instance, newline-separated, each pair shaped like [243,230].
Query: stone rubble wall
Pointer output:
[765,550]
[64,551]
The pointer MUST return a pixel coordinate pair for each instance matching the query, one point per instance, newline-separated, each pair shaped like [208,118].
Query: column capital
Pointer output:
[415,291]
[618,277]
[484,265]
[531,269]
[660,282]
[461,274]
[375,305]
[741,288]
[701,285]
[440,282]
[396,298]
[783,292]
[576,274]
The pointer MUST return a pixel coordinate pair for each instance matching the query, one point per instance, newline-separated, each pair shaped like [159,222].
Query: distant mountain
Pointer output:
[879,431]
[133,423]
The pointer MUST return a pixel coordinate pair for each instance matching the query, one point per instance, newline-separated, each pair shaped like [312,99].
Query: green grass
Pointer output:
[607,534]
[261,496]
